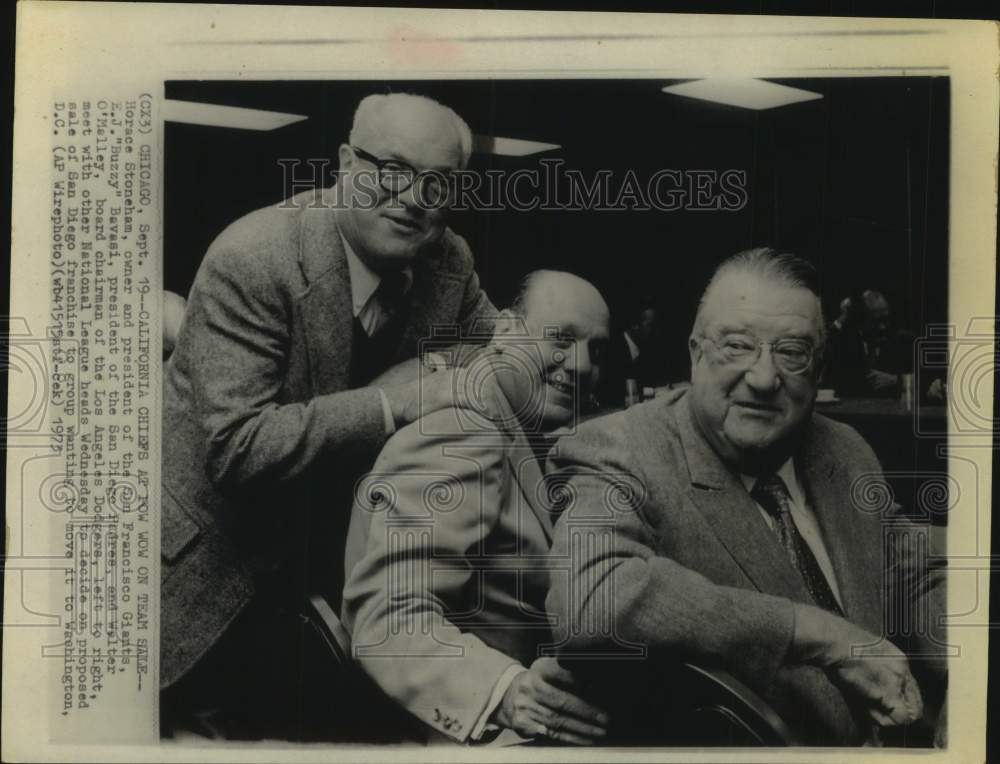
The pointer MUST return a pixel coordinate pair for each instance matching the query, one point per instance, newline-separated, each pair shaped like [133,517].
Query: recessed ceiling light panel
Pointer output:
[746,92]
[509,147]
[213,115]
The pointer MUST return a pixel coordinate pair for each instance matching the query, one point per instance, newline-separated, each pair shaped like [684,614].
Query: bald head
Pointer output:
[418,120]
[545,286]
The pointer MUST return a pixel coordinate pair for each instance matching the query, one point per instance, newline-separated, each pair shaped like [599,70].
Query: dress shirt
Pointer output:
[804,519]
[369,310]
[633,349]
[483,724]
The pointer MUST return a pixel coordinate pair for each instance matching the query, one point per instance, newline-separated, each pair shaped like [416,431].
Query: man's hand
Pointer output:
[870,670]
[539,703]
[431,391]
[880,380]
[883,684]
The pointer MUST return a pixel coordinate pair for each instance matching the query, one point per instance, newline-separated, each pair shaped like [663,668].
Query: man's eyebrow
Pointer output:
[396,156]
[554,331]
[568,330]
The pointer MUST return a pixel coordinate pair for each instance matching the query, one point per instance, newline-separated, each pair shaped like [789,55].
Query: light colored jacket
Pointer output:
[447,563]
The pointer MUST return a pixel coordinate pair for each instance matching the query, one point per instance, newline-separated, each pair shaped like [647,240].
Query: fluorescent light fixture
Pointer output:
[747,93]
[212,115]
[509,147]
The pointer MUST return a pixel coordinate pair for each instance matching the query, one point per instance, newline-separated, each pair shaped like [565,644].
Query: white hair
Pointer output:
[367,114]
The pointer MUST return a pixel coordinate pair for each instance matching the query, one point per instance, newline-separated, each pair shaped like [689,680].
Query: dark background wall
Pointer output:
[856,181]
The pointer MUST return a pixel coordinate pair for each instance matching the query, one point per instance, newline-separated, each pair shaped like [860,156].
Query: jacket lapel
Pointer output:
[531,483]
[734,518]
[856,561]
[326,308]
[529,479]
[434,297]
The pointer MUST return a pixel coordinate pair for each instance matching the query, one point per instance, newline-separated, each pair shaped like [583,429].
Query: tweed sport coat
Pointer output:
[447,575]
[257,415]
[693,572]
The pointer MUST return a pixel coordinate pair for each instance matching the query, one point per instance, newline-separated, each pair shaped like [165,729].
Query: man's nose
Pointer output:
[763,376]
[412,198]
[578,360]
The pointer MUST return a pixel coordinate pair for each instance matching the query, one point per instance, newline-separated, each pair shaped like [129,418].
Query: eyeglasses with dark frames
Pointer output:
[396,177]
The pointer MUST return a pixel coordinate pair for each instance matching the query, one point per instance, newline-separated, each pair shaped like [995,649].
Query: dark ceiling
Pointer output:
[856,181]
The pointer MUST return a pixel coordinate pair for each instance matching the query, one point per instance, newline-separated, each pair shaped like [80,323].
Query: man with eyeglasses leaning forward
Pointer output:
[268,415]
[743,545]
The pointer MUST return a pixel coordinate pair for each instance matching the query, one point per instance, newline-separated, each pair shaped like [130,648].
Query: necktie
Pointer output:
[373,354]
[391,296]
[772,494]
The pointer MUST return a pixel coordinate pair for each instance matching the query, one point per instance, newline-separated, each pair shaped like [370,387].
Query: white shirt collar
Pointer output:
[788,474]
[364,281]
[633,349]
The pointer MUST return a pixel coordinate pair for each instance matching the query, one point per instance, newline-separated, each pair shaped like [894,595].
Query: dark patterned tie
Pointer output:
[772,494]
[392,297]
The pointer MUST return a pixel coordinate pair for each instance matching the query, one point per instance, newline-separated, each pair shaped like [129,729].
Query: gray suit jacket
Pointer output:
[257,415]
[691,570]
[447,561]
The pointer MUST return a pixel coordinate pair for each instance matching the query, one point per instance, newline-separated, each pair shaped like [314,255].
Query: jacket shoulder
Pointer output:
[454,255]
[841,443]
[266,239]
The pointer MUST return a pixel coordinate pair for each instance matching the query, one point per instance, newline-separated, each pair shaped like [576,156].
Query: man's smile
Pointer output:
[404,223]
[757,408]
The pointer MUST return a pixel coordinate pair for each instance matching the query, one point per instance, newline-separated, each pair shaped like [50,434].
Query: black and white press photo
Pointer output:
[487,385]
[550,412]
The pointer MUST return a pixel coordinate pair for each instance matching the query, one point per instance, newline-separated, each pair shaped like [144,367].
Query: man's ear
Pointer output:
[346,158]
[694,348]
[505,323]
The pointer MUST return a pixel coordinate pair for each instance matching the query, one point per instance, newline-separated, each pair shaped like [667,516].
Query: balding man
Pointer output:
[731,526]
[268,412]
[447,551]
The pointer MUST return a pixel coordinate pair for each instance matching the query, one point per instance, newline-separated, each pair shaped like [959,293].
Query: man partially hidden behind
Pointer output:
[447,550]
[635,353]
[741,545]
[268,413]
[867,355]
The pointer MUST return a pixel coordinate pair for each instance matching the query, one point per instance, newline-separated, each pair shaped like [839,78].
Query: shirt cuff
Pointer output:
[483,724]
[435,361]
[390,421]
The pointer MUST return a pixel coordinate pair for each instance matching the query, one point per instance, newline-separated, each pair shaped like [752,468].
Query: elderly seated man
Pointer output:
[447,549]
[738,541]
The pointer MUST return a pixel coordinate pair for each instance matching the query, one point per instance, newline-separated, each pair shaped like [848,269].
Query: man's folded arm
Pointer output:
[415,571]
[238,352]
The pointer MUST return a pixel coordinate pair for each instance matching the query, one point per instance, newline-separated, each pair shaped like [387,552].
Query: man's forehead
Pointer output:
[421,134]
[742,299]
[568,302]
